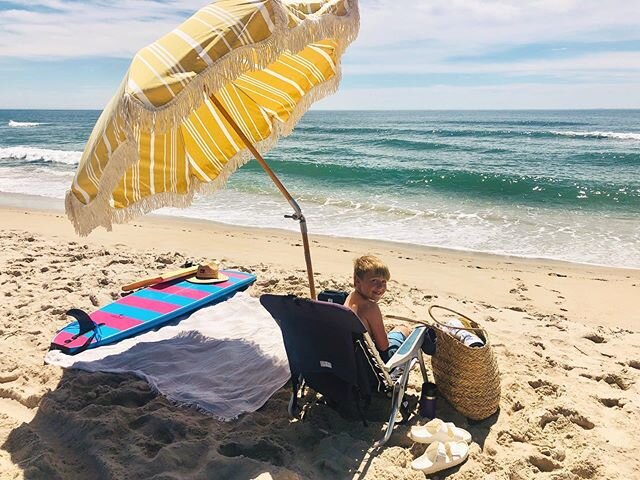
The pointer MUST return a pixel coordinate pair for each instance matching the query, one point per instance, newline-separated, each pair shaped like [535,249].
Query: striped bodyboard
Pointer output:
[148,308]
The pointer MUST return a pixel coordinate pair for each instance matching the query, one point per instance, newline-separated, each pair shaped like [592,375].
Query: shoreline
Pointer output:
[35,203]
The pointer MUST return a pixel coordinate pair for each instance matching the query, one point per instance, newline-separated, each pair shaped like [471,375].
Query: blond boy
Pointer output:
[370,277]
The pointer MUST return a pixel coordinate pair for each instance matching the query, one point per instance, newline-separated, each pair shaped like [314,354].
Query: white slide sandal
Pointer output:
[440,456]
[438,431]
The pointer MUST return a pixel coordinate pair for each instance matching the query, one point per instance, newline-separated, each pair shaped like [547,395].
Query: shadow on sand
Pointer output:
[106,425]
[479,431]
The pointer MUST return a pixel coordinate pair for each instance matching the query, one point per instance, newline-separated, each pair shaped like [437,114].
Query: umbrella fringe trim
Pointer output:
[228,68]
[86,217]
[99,212]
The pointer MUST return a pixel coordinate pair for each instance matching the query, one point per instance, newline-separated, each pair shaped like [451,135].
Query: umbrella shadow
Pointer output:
[97,425]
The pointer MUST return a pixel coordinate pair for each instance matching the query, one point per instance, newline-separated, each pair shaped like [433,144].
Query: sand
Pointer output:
[566,337]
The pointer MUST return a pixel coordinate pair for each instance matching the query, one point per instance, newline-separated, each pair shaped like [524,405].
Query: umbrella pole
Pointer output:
[297,211]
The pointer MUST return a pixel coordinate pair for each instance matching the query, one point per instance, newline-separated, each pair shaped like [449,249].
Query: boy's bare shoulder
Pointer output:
[368,307]
[360,305]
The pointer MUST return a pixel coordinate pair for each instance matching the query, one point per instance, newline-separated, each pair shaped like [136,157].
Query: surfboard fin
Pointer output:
[84,321]
[85,325]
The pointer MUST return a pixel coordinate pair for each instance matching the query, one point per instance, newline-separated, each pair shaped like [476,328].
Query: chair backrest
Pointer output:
[324,344]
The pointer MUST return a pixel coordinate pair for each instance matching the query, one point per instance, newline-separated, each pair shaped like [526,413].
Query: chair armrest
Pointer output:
[409,349]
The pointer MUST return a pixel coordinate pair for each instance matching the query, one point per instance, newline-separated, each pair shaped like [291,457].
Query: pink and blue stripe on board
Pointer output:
[150,307]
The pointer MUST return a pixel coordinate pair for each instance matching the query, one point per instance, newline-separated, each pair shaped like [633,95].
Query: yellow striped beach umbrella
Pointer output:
[199,102]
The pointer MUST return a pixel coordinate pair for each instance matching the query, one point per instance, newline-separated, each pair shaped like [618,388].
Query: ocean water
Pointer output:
[551,184]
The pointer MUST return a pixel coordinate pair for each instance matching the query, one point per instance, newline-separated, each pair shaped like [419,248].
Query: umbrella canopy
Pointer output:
[237,74]
[197,103]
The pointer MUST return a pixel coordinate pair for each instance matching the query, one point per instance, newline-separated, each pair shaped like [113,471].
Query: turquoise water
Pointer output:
[551,184]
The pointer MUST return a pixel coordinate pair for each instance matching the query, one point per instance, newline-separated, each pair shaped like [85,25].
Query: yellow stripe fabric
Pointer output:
[162,70]
[167,154]
[136,161]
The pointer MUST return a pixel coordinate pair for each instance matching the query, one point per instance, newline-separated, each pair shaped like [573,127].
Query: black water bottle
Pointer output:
[428,396]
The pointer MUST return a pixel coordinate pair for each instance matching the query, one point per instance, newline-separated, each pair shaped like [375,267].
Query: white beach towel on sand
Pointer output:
[226,359]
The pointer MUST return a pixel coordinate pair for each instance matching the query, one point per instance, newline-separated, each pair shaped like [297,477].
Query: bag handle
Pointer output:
[438,322]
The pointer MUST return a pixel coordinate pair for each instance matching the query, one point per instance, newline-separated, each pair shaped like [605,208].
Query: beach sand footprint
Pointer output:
[263,450]
[137,393]
[612,402]
[158,432]
[613,379]
[544,463]
[546,388]
[595,337]
[560,414]
[585,469]
[539,344]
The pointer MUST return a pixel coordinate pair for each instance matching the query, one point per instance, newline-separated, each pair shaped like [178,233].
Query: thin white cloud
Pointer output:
[597,62]
[477,25]
[76,29]
[521,96]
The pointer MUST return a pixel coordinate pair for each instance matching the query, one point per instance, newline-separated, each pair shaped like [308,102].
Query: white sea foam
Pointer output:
[13,123]
[30,182]
[68,157]
[598,134]
[507,230]
[68,174]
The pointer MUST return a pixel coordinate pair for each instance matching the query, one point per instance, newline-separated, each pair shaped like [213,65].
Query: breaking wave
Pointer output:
[13,123]
[31,154]
[596,134]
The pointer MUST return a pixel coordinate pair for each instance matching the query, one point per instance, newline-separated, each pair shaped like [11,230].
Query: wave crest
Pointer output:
[597,134]
[13,123]
[30,154]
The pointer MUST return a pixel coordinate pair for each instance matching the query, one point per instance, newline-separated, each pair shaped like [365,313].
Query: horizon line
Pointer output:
[4,109]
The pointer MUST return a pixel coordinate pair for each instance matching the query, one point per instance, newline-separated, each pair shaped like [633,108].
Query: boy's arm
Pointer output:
[373,318]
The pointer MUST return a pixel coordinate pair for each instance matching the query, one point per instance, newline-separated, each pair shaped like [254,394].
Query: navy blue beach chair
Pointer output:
[330,351]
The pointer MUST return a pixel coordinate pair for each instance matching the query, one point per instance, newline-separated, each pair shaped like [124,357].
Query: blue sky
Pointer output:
[410,54]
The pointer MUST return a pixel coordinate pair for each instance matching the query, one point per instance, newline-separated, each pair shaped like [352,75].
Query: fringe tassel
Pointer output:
[100,212]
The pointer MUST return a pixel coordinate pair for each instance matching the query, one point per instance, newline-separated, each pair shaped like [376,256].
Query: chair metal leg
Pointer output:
[396,401]
[398,392]
[298,388]
[292,407]
[423,368]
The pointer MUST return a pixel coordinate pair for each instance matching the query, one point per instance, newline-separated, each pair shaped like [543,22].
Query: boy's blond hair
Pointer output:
[370,264]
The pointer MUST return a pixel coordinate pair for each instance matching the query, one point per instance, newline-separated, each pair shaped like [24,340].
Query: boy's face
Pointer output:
[371,286]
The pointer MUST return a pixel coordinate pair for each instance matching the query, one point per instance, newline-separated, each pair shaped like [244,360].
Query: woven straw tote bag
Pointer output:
[468,377]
